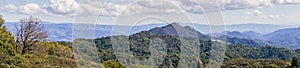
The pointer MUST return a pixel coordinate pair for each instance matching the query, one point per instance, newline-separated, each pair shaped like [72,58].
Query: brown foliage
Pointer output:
[29,32]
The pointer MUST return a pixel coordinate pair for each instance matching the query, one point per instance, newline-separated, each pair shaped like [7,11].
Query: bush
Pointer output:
[113,64]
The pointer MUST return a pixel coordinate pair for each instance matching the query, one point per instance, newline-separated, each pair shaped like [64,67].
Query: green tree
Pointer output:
[8,55]
[295,62]
[112,64]
[7,41]
[46,54]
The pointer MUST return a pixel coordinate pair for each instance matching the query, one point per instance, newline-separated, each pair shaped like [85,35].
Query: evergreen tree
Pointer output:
[295,63]
[7,41]
[8,55]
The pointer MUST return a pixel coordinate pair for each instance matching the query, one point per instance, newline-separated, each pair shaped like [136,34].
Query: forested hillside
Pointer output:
[39,55]
[234,51]
[167,51]
[140,45]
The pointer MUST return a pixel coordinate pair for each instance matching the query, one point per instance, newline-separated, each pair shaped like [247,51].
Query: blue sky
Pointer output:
[284,12]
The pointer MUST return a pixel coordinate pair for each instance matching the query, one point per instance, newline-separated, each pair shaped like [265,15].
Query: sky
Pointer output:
[125,12]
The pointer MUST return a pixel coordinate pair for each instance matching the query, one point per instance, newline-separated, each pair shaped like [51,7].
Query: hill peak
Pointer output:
[175,24]
[175,29]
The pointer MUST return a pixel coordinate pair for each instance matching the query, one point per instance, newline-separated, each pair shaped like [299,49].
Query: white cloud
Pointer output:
[111,10]
[124,1]
[10,8]
[287,1]
[63,6]
[137,8]
[89,7]
[274,16]
[152,7]
[243,4]
[192,5]
[57,7]
[94,7]
[255,12]
[31,9]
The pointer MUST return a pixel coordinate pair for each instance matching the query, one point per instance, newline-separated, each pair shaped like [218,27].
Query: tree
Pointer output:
[29,33]
[295,62]
[8,55]
[113,64]
[200,64]
[7,41]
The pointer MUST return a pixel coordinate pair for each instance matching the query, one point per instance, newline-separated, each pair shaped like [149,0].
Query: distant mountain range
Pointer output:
[245,35]
[287,38]
[278,35]
[260,28]
[63,31]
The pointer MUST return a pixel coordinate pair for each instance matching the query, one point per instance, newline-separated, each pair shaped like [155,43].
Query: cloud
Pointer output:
[99,7]
[138,8]
[274,16]
[244,4]
[10,8]
[56,7]
[255,12]
[121,7]
[123,1]
[31,9]
[151,7]
[286,1]
[191,6]
[63,7]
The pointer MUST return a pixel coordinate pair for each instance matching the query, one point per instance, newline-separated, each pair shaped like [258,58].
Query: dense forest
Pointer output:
[30,49]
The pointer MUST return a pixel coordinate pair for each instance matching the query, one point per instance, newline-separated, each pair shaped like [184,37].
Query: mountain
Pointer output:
[175,29]
[251,38]
[234,37]
[289,37]
[63,31]
[249,42]
[254,35]
[260,28]
[145,45]
[243,35]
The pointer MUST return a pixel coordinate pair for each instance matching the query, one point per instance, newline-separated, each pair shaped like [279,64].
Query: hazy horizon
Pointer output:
[233,12]
[160,23]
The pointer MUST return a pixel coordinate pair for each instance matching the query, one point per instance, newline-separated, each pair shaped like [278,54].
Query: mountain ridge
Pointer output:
[175,29]
[63,32]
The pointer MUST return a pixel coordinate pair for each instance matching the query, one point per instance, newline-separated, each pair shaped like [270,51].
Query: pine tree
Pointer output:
[7,41]
[295,63]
